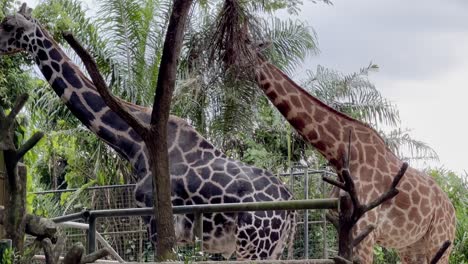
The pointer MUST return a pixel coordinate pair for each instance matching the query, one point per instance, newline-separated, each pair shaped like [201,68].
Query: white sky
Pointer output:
[421,47]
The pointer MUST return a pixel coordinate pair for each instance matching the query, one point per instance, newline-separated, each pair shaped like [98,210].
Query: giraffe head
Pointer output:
[16,31]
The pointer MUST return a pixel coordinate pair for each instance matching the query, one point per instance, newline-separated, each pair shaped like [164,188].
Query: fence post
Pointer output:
[306,214]
[199,231]
[91,234]
[3,190]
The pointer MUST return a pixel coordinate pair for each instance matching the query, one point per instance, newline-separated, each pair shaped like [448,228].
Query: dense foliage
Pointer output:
[126,38]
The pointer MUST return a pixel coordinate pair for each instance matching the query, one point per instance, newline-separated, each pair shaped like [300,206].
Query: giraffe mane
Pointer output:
[331,109]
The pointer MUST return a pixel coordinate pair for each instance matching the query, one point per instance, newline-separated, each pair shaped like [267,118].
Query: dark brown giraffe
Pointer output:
[200,173]
[416,222]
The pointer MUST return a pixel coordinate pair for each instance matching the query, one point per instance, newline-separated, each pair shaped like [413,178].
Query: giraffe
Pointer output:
[416,222]
[200,173]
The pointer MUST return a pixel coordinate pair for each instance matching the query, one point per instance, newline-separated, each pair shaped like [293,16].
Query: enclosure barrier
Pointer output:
[198,210]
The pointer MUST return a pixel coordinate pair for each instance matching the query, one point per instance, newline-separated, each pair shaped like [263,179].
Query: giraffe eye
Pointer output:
[8,27]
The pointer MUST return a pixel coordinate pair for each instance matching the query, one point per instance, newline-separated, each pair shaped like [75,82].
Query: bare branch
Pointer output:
[28,145]
[332,219]
[74,255]
[103,252]
[102,88]
[390,193]
[334,182]
[48,250]
[363,234]
[59,247]
[351,189]
[440,252]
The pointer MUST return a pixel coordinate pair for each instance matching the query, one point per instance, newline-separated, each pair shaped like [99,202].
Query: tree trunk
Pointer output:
[157,143]
[14,217]
[3,191]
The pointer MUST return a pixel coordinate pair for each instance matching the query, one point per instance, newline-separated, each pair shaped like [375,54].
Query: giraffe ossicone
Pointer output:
[200,173]
[416,222]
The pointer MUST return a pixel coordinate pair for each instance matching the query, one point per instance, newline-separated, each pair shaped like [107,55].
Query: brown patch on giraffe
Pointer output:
[272,94]
[382,164]
[361,155]
[295,101]
[312,135]
[307,105]
[365,174]
[386,180]
[403,201]
[363,137]
[424,189]
[405,186]
[425,208]
[370,155]
[341,150]
[414,215]
[279,88]
[367,188]
[325,137]
[298,123]
[333,127]
[283,107]
[415,196]
[266,86]
[372,216]
[319,115]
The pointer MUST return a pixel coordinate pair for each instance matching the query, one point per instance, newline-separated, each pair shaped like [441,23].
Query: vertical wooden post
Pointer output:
[3,190]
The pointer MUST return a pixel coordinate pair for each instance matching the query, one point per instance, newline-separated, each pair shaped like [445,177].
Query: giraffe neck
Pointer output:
[82,98]
[328,130]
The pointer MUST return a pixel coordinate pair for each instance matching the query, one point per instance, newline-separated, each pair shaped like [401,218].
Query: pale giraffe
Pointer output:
[416,222]
[200,173]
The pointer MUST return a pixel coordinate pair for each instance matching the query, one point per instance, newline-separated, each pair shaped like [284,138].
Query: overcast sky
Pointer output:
[421,47]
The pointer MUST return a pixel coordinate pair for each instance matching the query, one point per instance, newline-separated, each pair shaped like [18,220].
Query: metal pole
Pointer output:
[199,231]
[91,234]
[324,227]
[306,215]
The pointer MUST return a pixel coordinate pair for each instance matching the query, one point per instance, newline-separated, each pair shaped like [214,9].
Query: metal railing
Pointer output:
[198,210]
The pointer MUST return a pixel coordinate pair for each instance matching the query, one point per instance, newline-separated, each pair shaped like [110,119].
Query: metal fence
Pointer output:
[315,238]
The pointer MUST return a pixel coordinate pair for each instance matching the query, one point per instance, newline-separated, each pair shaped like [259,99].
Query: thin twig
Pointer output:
[363,234]
[390,193]
[29,144]
[334,182]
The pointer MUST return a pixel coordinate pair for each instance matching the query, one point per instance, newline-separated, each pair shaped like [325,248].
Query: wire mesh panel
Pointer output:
[315,238]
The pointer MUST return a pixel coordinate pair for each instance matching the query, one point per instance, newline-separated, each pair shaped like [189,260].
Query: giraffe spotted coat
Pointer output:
[200,173]
[416,222]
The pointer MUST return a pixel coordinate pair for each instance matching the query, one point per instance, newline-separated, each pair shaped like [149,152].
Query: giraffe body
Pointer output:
[416,222]
[200,173]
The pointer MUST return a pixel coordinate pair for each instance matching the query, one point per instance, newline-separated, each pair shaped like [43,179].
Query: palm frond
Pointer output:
[408,148]
[352,94]
[290,40]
